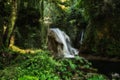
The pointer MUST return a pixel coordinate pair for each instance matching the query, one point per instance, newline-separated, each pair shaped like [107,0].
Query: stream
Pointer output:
[60,45]
[109,68]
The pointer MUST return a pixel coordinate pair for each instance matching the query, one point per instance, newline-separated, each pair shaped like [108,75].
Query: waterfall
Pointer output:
[63,43]
[81,39]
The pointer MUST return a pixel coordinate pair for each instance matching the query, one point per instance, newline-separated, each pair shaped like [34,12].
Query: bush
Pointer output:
[41,66]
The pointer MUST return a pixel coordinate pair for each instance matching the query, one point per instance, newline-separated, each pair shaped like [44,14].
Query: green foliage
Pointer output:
[41,66]
[28,19]
[96,77]
[7,57]
[70,68]
[6,8]
[102,33]
[28,16]
[112,47]
[28,78]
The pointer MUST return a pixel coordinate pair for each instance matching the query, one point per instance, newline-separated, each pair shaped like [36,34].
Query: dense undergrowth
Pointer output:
[42,66]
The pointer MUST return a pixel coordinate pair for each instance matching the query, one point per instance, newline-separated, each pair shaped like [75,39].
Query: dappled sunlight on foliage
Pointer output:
[24,51]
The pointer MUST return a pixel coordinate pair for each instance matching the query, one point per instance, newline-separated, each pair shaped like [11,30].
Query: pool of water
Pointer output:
[108,68]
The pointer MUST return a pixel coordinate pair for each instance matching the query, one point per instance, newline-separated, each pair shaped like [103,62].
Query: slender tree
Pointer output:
[10,27]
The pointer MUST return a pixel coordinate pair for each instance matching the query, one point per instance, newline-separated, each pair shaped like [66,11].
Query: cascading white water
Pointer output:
[81,39]
[61,37]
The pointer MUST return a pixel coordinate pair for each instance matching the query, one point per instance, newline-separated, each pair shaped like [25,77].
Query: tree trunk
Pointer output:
[1,31]
[44,27]
[10,28]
